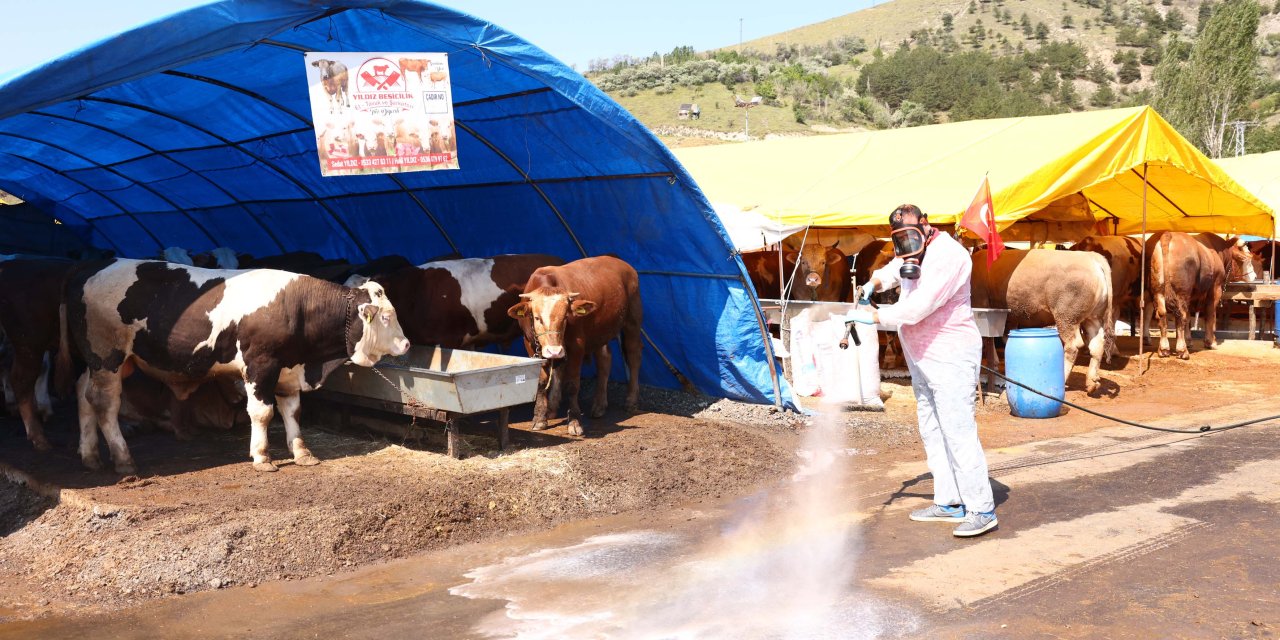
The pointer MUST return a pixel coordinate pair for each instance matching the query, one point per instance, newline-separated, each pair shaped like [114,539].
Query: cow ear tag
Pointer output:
[367,312]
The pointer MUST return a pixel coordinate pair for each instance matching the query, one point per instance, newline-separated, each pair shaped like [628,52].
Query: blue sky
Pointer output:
[574,31]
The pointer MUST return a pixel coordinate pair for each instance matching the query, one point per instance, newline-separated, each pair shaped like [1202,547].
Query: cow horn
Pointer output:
[527,296]
[574,294]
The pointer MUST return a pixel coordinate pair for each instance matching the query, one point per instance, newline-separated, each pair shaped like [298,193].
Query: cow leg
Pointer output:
[26,376]
[260,413]
[632,348]
[88,425]
[1071,343]
[540,400]
[1096,339]
[1163,319]
[571,384]
[556,392]
[103,393]
[180,412]
[1183,329]
[290,408]
[1210,314]
[43,404]
[604,361]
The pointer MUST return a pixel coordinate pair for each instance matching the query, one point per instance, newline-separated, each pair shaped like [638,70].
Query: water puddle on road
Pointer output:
[781,565]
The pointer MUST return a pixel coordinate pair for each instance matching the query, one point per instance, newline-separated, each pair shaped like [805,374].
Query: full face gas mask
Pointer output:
[910,238]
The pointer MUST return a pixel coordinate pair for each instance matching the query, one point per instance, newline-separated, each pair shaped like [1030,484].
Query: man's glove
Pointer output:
[861,315]
[866,291]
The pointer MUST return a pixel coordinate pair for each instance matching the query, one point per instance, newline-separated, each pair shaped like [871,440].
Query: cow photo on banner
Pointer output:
[381,112]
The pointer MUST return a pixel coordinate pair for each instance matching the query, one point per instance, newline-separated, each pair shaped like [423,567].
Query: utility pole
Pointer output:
[1238,138]
[746,106]
[739,35]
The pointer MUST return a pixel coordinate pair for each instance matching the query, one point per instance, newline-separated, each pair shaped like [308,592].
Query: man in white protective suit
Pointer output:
[943,349]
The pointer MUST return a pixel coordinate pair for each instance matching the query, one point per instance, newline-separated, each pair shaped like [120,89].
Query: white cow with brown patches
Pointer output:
[280,332]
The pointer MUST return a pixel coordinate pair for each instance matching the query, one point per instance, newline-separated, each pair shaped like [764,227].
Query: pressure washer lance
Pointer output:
[851,330]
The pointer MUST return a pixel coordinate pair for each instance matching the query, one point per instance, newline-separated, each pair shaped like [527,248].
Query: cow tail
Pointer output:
[1108,318]
[1159,273]
[63,371]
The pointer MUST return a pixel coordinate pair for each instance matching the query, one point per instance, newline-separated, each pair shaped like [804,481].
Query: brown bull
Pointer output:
[1185,275]
[1124,256]
[1063,289]
[575,310]
[822,274]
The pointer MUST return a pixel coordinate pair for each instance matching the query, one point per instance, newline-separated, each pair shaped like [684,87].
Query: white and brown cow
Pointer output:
[460,303]
[1069,290]
[280,332]
[333,77]
[575,310]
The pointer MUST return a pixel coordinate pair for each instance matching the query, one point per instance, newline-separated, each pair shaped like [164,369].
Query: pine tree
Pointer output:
[1025,23]
[1215,83]
[1067,95]
[1129,71]
[947,22]
[1103,97]
[1202,16]
[1174,21]
[1067,22]
[1042,32]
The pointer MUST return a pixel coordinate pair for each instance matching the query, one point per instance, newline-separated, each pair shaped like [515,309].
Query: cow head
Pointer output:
[545,314]
[1241,265]
[380,330]
[815,261]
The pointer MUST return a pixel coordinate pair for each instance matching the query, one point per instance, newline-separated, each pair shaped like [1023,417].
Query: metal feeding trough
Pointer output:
[439,384]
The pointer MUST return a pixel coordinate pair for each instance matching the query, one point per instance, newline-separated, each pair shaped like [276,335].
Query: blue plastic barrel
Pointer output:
[1034,358]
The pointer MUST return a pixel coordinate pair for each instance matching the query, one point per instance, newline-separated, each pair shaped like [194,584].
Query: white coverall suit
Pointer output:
[943,350]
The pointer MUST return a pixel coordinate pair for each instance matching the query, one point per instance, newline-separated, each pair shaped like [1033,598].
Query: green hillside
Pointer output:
[1046,56]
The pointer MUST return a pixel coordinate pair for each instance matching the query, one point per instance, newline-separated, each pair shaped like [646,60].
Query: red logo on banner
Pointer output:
[380,74]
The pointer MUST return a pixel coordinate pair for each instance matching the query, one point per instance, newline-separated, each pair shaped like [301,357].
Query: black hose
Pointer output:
[1201,429]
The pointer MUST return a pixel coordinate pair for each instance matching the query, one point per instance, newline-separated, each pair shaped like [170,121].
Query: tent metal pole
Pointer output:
[89,189]
[1142,282]
[118,174]
[167,156]
[275,168]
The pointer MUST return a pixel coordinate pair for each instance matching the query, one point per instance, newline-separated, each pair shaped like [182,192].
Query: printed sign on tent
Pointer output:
[382,112]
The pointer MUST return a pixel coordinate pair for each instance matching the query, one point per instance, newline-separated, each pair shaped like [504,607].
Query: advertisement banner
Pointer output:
[382,112]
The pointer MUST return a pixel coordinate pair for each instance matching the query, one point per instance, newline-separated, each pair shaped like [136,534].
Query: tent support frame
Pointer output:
[1142,270]
[154,152]
[311,127]
[680,377]
[118,174]
[320,202]
[88,189]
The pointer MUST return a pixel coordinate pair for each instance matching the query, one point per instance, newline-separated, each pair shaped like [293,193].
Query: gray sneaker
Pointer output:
[939,513]
[976,524]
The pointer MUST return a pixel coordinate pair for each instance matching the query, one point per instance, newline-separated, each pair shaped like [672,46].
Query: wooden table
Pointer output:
[1258,295]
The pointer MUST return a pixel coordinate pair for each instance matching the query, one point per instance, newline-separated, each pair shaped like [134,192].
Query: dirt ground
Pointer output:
[199,518]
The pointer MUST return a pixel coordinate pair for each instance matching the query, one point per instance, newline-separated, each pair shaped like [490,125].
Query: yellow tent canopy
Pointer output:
[1260,174]
[1084,170]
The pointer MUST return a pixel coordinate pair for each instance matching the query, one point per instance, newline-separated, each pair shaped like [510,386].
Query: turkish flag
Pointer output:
[980,218]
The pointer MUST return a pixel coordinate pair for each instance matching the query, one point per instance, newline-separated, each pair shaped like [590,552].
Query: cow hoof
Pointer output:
[598,412]
[539,426]
[575,429]
[306,460]
[1184,355]
[632,407]
[94,462]
[126,469]
[41,445]
[1092,388]
[265,466]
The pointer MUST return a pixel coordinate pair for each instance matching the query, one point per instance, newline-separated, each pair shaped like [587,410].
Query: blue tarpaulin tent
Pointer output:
[195,131]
